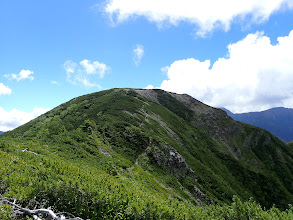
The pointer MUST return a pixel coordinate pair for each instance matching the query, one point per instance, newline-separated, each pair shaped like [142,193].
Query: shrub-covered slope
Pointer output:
[140,153]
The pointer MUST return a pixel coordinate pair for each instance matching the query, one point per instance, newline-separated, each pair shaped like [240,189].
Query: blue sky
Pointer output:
[233,54]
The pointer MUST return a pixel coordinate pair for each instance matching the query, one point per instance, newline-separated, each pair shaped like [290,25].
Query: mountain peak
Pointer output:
[186,149]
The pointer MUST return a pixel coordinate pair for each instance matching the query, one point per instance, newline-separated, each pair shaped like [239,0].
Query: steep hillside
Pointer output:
[143,151]
[278,121]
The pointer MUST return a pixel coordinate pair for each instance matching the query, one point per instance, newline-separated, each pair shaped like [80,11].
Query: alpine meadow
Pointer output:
[145,154]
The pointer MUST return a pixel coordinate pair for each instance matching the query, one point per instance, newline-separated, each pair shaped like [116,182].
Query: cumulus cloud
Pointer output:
[138,53]
[255,75]
[206,15]
[14,118]
[149,87]
[85,72]
[23,74]
[4,90]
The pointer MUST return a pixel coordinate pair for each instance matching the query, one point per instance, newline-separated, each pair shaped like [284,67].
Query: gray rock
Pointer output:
[169,159]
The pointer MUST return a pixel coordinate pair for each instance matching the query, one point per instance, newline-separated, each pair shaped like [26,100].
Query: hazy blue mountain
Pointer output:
[1,132]
[278,121]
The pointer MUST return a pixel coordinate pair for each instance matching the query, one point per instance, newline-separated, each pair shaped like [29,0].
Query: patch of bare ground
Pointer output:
[170,132]
[149,94]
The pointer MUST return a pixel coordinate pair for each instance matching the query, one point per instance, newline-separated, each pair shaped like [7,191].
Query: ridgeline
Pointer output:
[145,154]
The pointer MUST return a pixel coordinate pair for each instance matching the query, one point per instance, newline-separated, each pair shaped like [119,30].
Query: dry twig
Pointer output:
[35,213]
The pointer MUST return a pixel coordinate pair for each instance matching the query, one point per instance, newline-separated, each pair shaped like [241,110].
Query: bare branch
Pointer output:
[26,149]
[35,212]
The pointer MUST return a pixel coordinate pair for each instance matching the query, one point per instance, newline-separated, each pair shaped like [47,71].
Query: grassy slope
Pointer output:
[69,139]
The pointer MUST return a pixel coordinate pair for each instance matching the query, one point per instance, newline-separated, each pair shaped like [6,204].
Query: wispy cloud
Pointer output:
[14,118]
[85,73]
[4,90]
[205,15]
[54,82]
[256,75]
[70,66]
[94,67]
[165,69]
[138,53]
[23,74]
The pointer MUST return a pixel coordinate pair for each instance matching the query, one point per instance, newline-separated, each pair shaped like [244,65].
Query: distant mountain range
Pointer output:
[278,121]
[1,132]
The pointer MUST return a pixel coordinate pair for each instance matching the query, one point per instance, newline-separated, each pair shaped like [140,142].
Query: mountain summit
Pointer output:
[160,144]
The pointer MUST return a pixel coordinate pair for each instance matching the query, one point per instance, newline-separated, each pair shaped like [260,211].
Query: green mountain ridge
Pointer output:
[142,153]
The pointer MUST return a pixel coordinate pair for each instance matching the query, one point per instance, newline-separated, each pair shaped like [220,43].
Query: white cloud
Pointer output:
[54,82]
[70,66]
[94,67]
[149,87]
[14,118]
[255,75]
[165,69]
[4,90]
[85,72]
[23,74]
[206,15]
[138,53]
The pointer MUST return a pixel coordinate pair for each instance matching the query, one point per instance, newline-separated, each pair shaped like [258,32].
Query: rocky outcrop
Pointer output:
[105,152]
[149,94]
[201,196]
[170,160]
